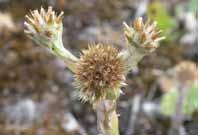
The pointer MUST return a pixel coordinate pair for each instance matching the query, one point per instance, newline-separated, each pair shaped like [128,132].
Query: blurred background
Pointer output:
[37,96]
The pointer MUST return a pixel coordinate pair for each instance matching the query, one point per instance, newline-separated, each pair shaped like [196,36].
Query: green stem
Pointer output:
[58,49]
[132,56]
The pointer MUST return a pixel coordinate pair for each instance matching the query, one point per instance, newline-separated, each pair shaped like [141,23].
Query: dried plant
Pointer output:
[100,71]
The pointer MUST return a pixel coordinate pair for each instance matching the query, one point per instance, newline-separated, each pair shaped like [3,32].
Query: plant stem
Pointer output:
[107,118]
[132,56]
[69,59]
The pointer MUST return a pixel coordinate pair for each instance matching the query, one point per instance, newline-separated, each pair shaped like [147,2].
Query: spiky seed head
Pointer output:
[44,26]
[143,36]
[187,72]
[100,73]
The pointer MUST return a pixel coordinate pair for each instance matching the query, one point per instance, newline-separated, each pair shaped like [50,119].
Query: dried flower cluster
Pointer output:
[99,72]
[143,36]
[43,26]
[101,69]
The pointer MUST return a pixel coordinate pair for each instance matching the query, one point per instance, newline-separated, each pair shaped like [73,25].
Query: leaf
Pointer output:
[168,102]
[191,103]
[156,11]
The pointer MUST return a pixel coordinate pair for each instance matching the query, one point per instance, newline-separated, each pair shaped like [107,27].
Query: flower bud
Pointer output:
[144,37]
[44,27]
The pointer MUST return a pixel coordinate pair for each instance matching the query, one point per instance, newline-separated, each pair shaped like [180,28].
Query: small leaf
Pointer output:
[168,102]
[191,103]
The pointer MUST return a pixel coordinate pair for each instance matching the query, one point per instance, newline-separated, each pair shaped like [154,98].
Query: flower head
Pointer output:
[186,72]
[44,27]
[143,36]
[100,73]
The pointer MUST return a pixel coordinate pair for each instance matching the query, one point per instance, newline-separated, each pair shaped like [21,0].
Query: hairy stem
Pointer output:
[107,118]
[69,59]
[132,56]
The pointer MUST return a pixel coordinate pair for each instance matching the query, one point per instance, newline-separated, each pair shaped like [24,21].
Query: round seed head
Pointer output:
[100,73]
